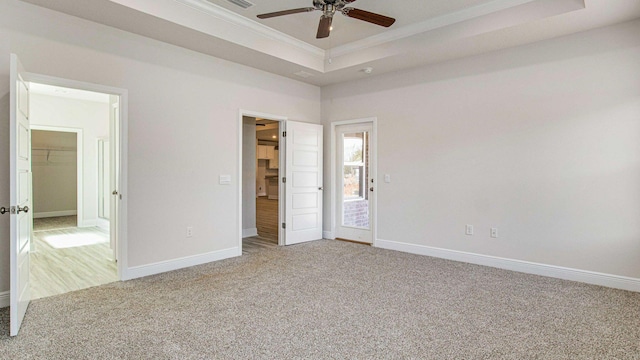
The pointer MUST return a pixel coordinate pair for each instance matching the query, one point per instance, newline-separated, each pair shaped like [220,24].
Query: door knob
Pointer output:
[371,188]
[320,188]
[23,209]
[115,192]
[4,210]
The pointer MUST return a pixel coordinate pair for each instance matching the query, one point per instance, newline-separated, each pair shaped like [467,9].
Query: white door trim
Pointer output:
[79,166]
[374,171]
[282,121]
[121,221]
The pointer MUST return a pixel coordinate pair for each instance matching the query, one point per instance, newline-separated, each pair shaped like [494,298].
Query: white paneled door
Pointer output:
[303,186]
[20,209]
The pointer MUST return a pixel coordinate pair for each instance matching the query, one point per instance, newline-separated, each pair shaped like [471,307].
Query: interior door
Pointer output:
[114,171]
[303,186]
[20,197]
[355,182]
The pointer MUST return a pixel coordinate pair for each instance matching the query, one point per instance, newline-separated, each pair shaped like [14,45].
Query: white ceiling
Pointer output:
[345,30]
[426,31]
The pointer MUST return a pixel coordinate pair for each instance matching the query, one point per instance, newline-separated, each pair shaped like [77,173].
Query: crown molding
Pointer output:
[235,19]
[424,26]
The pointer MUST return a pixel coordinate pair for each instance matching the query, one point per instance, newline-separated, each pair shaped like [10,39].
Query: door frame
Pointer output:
[79,164]
[373,163]
[122,188]
[281,165]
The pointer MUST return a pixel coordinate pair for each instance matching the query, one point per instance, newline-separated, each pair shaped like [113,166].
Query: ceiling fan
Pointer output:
[329,8]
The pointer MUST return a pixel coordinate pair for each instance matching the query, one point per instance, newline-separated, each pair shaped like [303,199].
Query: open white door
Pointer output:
[303,186]
[114,171]
[20,173]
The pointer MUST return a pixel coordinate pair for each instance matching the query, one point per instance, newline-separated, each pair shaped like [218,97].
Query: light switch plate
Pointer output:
[225,179]
[387,178]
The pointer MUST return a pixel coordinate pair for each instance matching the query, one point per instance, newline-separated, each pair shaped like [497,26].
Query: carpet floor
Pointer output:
[332,300]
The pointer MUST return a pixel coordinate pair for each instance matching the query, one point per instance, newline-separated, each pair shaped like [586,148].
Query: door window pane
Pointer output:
[355,171]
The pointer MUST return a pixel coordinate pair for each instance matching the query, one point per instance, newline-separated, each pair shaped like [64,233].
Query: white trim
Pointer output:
[4,299]
[50,214]
[123,94]
[333,175]
[79,160]
[281,121]
[181,263]
[235,19]
[249,232]
[584,276]
[426,25]
[88,223]
[103,224]
[328,235]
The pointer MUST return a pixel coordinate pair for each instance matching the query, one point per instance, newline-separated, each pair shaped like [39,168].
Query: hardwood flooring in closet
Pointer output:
[267,218]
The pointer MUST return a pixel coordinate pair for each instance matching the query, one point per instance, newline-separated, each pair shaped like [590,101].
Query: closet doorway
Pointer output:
[71,184]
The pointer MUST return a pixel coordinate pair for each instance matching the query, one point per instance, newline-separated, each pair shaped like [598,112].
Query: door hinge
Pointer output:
[284,134]
[284,179]
[284,226]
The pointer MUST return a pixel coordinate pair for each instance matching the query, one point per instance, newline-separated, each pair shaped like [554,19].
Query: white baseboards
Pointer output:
[103,224]
[54,214]
[328,235]
[589,277]
[249,232]
[4,299]
[175,264]
[89,223]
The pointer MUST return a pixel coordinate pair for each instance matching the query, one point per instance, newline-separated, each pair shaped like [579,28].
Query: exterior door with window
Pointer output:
[355,188]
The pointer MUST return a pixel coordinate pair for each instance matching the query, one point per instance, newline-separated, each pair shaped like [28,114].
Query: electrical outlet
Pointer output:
[494,232]
[189,231]
[468,230]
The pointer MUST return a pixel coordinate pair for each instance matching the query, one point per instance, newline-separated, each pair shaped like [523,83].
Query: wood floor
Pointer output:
[267,218]
[69,259]
[256,244]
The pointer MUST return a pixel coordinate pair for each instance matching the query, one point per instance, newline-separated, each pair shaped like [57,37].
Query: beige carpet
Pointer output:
[333,300]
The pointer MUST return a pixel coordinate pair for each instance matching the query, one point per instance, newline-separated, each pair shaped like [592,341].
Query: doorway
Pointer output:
[354,204]
[261,184]
[71,175]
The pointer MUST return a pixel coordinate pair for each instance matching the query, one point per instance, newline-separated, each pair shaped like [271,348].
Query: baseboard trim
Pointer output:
[89,223]
[4,299]
[103,224]
[584,276]
[249,232]
[54,214]
[175,264]
[328,235]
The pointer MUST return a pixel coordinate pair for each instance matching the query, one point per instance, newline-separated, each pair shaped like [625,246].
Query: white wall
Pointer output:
[90,116]
[249,175]
[541,141]
[183,123]
[54,173]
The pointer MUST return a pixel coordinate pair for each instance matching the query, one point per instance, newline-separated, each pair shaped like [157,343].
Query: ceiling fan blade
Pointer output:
[324,28]
[285,12]
[368,16]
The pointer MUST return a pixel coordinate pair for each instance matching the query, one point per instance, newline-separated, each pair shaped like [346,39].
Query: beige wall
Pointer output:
[541,141]
[183,124]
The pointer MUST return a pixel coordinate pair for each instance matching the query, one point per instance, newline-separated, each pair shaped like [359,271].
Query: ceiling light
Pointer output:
[367,70]
[273,136]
